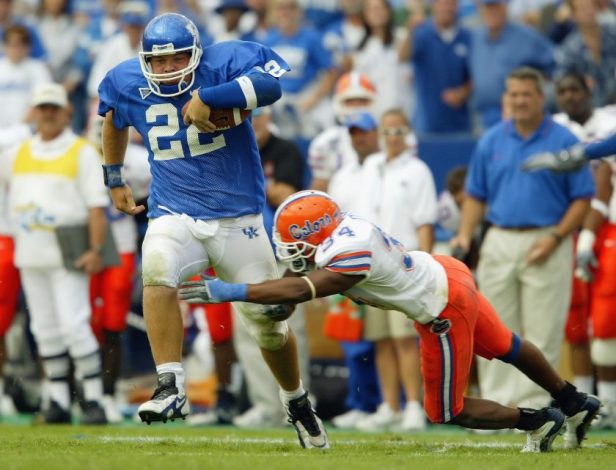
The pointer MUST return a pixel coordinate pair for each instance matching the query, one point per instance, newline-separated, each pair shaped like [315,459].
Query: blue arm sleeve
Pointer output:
[601,149]
[249,91]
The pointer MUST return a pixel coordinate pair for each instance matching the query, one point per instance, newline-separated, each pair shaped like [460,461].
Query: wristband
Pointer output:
[113,175]
[313,290]
[559,238]
[226,292]
[600,206]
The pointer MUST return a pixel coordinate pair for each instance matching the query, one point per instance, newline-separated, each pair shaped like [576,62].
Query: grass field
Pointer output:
[175,446]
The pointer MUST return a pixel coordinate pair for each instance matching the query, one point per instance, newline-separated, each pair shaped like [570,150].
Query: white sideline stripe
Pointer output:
[342,442]
[249,92]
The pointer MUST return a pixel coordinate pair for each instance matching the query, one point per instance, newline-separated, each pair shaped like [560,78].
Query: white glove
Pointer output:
[585,260]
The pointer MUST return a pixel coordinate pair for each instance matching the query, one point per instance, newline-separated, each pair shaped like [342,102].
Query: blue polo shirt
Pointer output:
[493,59]
[439,65]
[518,199]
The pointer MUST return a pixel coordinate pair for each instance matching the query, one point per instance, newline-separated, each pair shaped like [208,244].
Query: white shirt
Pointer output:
[113,51]
[41,201]
[329,151]
[410,282]
[399,195]
[16,84]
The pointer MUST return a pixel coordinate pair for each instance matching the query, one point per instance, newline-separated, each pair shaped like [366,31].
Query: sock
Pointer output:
[530,419]
[287,396]
[584,383]
[178,371]
[59,392]
[88,369]
[569,399]
[1,385]
[606,391]
[112,360]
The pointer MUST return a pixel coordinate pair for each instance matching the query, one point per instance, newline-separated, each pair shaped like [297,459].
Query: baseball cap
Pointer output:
[50,93]
[363,121]
[134,13]
[225,4]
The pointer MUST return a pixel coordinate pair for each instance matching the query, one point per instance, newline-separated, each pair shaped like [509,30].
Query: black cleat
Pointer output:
[540,439]
[309,428]
[577,425]
[93,413]
[55,414]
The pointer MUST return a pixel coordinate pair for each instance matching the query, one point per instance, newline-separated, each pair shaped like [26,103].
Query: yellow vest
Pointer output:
[66,165]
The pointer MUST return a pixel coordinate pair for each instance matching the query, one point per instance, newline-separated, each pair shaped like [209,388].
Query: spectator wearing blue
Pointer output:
[526,260]
[230,12]
[439,51]
[345,35]
[499,47]
[590,50]
[304,109]
[7,18]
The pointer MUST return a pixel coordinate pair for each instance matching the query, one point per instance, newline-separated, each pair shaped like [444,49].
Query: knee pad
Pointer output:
[603,352]
[268,334]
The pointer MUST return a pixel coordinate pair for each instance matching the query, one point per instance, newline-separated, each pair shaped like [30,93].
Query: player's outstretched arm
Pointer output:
[566,160]
[288,290]
[115,142]
[601,149]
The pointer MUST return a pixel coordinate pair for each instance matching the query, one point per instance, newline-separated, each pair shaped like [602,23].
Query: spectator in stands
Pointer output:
[591,50]
[322,14]
[231,12]
[377,57]
[19,74]
[283,167]
[303,111]
[498,47]
[60,37]
[363,394]
[7,18]
[399,195]
[56,180]
[588,124]
[255,22]
[526,260]
[344,36]
[439,51]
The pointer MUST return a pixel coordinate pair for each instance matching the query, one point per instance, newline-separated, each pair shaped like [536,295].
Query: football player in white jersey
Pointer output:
[334,252]
[596,254]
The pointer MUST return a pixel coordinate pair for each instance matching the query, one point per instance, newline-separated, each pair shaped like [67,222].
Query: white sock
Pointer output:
[59,392]
[177,369]
[287,396]
[93,389]
[584,383]
[607,391]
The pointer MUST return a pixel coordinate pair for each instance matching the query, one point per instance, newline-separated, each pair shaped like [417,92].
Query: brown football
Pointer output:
[225,118]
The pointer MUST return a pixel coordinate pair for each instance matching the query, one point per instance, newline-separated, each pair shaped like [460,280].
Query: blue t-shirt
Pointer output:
[440,65]
[206,176]
[493,59]
[305,54]
[516,198]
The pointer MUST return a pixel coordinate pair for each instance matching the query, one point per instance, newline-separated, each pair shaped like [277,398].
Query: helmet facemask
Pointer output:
[156,79]
[298,256]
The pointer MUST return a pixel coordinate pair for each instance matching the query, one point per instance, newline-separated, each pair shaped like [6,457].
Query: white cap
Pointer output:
[50,93]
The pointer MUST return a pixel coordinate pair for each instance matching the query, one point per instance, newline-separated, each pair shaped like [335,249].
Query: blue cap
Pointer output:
[225,4]
[363,121]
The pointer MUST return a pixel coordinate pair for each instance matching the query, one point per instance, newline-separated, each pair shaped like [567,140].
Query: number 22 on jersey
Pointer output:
[175,150]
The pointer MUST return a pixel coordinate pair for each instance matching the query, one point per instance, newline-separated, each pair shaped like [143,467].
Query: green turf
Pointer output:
[179,447]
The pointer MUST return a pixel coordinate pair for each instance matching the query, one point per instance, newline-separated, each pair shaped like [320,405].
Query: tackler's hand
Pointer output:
[279,312]
[210,290]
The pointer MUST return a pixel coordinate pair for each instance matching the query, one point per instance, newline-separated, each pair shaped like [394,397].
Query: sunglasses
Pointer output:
[394,131]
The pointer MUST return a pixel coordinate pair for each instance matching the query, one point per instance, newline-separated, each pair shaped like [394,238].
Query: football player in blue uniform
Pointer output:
[206,197]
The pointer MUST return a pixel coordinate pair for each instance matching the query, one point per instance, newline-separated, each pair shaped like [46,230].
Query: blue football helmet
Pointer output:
[167,34]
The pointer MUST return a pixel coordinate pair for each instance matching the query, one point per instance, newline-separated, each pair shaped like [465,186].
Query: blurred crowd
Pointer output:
[371,83]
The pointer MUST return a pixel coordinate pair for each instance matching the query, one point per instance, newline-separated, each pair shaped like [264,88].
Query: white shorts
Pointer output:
[177,247]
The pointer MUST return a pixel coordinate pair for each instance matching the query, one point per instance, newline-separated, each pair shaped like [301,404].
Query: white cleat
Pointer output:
[112,411]
[540,439]
[383,419]
[349,419]
[166,403]
[309,428]
[413,417]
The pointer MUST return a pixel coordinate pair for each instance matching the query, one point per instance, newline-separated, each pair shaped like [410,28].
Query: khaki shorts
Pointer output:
[382,324]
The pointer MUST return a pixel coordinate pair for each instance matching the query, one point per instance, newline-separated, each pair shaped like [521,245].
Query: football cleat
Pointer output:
[540,439]
[309,428]
[54,414]
[93,413]
[577,425]
[166,402]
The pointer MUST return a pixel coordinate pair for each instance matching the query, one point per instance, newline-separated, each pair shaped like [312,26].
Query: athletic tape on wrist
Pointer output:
[313,290]
[113,175]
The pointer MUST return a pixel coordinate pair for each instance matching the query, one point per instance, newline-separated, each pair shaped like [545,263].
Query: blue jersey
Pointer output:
[205,176]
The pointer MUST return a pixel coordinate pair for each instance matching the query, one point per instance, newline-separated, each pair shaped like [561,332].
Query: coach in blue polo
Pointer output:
[526,261]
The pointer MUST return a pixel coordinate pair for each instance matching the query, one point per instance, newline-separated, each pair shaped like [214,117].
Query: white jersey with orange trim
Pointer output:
[329,151]
[600,125]
[411,282]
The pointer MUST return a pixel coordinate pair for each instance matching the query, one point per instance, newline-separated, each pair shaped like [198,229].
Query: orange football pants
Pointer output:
[603,288]
[468,325]
[9,284]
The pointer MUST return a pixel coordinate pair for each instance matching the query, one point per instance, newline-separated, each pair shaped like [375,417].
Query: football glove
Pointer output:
[279,312]
[210,290]
[585,260]
[567,160]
